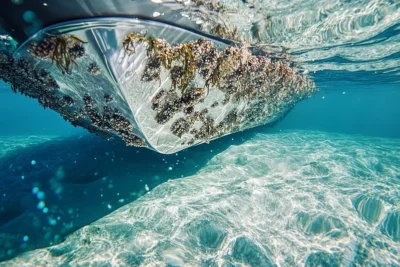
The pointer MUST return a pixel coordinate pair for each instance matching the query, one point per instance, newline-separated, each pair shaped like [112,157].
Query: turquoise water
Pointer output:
[323,189]
[320,187]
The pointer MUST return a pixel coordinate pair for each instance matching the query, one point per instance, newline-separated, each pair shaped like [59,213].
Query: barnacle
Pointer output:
[207,130]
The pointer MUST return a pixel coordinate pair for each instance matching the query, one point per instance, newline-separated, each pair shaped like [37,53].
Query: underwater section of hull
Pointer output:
[89,73]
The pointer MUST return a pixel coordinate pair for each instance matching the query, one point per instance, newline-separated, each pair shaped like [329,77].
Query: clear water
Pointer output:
[320,188]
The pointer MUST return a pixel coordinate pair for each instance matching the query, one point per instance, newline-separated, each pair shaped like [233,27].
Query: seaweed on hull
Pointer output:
[64,50]
[266,87]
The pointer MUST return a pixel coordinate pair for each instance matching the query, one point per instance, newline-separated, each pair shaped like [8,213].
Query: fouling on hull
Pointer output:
[152,84]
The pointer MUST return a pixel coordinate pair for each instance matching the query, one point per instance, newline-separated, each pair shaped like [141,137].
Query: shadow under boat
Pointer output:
[79,179]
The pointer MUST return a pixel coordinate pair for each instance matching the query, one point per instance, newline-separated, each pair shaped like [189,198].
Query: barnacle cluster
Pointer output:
[35,83]
[38,83]
[23,78]
[180,127]
[124,128]
[110,120]
[266,86]
[66,101]
[207,130]
[166,106]
[64,50]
